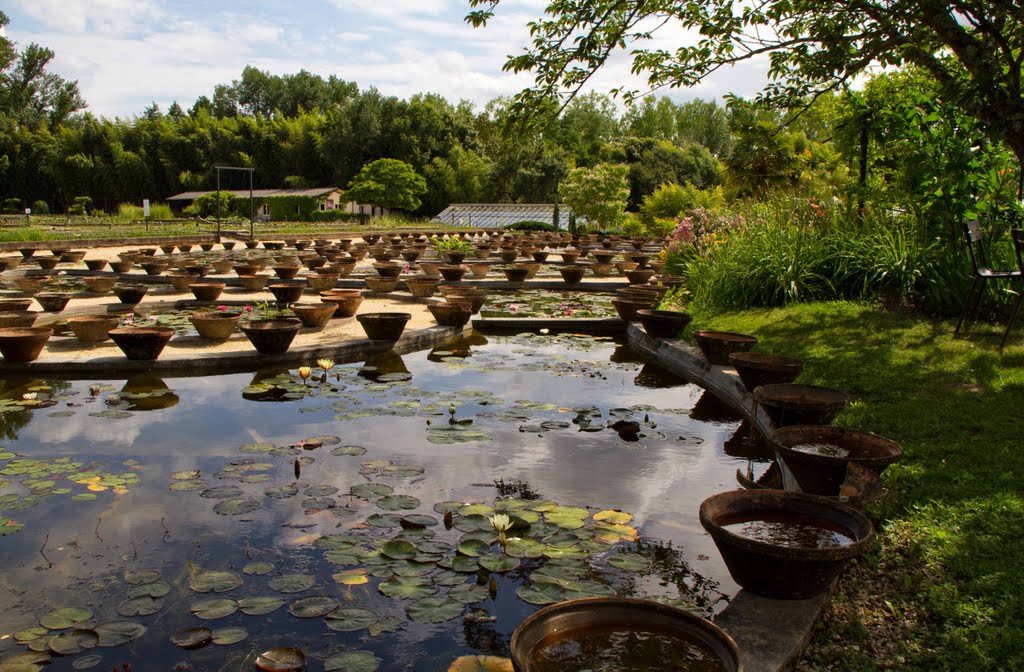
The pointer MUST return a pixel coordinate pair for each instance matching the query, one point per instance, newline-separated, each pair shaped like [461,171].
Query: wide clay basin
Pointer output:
[451,314]
[760,368]
[718,345]
[383,326]
[860,486]
[92,328]
[271,337]
[784,545]
[216,325]
[142,343]
[314,315]
[663,323]
[792,404]
[817,455]
[23,344]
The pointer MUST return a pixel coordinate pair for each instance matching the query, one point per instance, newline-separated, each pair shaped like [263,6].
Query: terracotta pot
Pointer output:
[860,487]
[476,297]
[572,274]
[602,270]
[516,273]
[206,247]
[47,263]
[383,326]
[789,571]
[26,252]
[574,619]
[870,451]
[314,315]
[342,266]
[287,292]
[95,264]
[480,271]
[185,247]
[348,301]
[206,291]
[92,328]
[216,325]
[663,323]
[253,283]
[321,282]
[286,272]
[14,305]
[129,255]
[154,267]
[315,263]
[53,302]
[421,286]
[639,276]
[718,345]
[245,269]
[167,249]
[627,308]
[22,318]
[792,404]
[9,263]
[222,266]
[122,266]
[758,368]
[30,285]
[271,337]
[540,256]
[23,344]
[570,256]
[100,284]
[252,244]
[142,343]
[431,268]
[229,245]
[451,314]
[197,269]
[388,270]
[380,285]
[181,281]
[508,255]
[454,257]
[603,257]
[452,273]
[273,245]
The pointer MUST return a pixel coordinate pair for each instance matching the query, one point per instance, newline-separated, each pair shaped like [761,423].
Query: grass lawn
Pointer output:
[945,588]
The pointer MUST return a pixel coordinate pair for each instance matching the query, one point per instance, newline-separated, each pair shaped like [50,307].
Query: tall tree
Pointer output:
[388,183]
[974,49]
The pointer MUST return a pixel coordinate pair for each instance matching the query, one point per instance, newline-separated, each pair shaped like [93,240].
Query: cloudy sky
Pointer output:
[126,54]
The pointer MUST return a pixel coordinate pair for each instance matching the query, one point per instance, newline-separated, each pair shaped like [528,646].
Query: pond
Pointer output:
[548,304]
[352,513]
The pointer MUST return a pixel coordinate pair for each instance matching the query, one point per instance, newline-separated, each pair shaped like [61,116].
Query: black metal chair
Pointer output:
[1018,250]
[983,272]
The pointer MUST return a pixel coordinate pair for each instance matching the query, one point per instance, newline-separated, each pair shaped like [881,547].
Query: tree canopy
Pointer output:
[389,183]
[974,49]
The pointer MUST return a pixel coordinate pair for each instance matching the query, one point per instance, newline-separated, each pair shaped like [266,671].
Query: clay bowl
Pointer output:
[245,269]
[314,315]
[167,249]
[206,291]
[95,264]
[287,292]
[812,449]
[181,281]
[23,344]
[663,323]
[271,337]
[383,326]
[792,404]
[222,266]
[758,368]
[123,266]
[205,247]
[348,301]
[480,271]
[286,272]
[30,285]
[92,328]
[627,308]
[381,285]
[53,302]
[253,283]
[451,314]
[388,270]
[590,616]
[516,273]
[343,266]
[142,343]
[47,263]
[216,325]
[321,282]
[185,247]
[21,318]
[14,305]
[572,273]
[229,245]
[788,566]
[540,256]
[421,286]
[452,273]
[859,485]
[477,297]
[154,267]
[718,345]
[100,284]
[639,276]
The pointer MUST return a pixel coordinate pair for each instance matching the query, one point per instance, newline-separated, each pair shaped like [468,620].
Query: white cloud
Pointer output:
[102,16]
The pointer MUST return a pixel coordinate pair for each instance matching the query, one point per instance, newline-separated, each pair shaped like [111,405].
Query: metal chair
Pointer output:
[1018,250]
[983,272]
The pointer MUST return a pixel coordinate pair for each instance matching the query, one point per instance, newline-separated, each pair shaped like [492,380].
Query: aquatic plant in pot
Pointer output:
[453,249]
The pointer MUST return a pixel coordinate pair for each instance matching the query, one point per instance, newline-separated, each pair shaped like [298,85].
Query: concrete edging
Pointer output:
[771,634]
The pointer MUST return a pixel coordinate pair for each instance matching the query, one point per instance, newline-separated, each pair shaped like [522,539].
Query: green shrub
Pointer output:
[529,225]
[80,205]
[332,216]
[12,206]
[40,208]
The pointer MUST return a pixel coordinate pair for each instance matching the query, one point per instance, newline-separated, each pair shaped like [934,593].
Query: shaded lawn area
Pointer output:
[944,589]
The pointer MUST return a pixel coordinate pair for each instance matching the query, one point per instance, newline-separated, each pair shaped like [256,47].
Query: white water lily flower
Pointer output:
[29,396]
[500,522]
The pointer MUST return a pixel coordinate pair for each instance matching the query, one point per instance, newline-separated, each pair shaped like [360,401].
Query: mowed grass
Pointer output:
[944,589]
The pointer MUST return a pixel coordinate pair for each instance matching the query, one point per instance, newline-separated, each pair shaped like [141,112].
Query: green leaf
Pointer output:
[542,593]
[226,636]
[65,617]
[434,610]
[499,564]
[313,607]
[468,593]
[217,607]
[291,583]
[407,587]
[351,619]
[257,606]
[215,582]
[352,661]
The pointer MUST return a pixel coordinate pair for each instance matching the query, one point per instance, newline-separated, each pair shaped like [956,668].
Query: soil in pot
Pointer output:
[23,344]
[142,343]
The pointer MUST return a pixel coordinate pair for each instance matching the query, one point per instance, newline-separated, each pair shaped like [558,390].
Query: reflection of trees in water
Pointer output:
[11,423]
[482,636]
[516,489]
[670,566]
[657,377]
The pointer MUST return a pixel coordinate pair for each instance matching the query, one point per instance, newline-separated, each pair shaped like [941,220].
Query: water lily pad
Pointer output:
[87,662]
[524,547]
[473,523]
[217,607]
[26,661]
[349,450]
[386,624]
[154,589]
[613,534]
[351,619]
[320,491]
[384,520]
[481,664]
[473,548]
[292,583]
[582,589]
[73,642]
[187,475]
[222,492]
[226,636]
[116,633]
[257,606]
[258,568]
[476,509]
[192,638]
[371,490]
[448,507]
[499,564]
[215,582]
[282,659]
[352,661]
[352,577]
[468,593]
[541,593]
[630,562]
[417,521]
[399,550]
[135,577]
[434,610]
[65,617]
[28,634]
[140,606]
[184,486]
[397,502]
[282,491]
[453,434]
[313,607]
